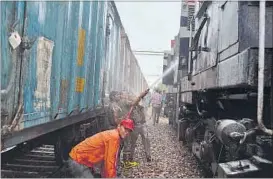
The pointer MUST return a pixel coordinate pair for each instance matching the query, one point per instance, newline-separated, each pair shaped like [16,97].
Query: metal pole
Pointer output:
[261,70]
[190,52]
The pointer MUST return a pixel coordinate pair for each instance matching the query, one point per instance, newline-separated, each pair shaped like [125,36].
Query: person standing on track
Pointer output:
[138,116]
[126,103]
[114,98]
[156,102]
[163,102]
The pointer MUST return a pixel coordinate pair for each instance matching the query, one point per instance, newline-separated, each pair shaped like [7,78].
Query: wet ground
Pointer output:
[169,157]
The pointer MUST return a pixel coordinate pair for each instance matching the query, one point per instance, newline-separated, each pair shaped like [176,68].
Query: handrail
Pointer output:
[260,100]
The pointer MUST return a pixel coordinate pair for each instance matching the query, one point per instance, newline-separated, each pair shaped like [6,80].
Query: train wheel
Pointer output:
[61,150]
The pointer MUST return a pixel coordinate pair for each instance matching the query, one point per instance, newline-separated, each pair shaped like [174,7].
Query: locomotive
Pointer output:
[223,109]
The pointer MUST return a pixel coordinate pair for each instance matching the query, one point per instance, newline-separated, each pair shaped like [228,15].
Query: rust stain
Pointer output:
[80,84]
[81,46]
[63,92]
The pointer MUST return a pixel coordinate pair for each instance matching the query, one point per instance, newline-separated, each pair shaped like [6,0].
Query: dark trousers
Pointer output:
[79,170]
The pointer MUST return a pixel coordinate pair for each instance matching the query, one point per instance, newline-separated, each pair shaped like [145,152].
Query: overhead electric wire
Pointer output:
[149,54]
[148,51]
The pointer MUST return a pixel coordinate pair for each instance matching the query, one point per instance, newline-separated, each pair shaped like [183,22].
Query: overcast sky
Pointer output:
[150,26]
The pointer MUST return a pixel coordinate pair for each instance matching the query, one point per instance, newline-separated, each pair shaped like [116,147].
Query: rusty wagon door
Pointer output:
[12,19]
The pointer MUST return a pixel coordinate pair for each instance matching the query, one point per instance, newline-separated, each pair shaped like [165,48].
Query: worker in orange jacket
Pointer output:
[103,146]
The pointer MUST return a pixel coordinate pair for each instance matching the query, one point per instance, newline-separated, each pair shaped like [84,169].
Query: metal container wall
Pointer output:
[113,50]
[123,71]
[10,60]
[61,70]
[67,62]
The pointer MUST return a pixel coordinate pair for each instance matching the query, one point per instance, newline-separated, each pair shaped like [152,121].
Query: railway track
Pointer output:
[37,163]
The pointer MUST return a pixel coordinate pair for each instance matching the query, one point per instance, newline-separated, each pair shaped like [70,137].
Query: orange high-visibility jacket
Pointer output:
[101,146]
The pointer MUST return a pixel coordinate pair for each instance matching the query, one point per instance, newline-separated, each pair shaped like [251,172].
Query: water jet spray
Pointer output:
[170,68]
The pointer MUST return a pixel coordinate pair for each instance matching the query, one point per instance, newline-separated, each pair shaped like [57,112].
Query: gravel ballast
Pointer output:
[170,159]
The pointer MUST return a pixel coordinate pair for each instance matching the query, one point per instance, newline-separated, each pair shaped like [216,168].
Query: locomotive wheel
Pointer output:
[189,137]
[181,132]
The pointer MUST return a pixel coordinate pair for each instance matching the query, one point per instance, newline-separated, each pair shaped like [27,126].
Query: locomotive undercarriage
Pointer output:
[222,132]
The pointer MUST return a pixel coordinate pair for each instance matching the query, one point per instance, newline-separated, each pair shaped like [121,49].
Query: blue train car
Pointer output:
[56,69]
[123,71]
[55,60]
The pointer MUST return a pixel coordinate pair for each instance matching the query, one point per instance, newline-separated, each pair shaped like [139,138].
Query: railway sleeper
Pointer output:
[22,174]
[49,147]
[40,152]
[46,149]
[30,168]
[35,162]
[38,157]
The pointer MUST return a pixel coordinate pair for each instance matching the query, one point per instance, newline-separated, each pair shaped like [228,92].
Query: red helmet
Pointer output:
[128,124]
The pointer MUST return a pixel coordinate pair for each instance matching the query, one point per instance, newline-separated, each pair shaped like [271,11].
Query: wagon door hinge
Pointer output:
[27,43]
